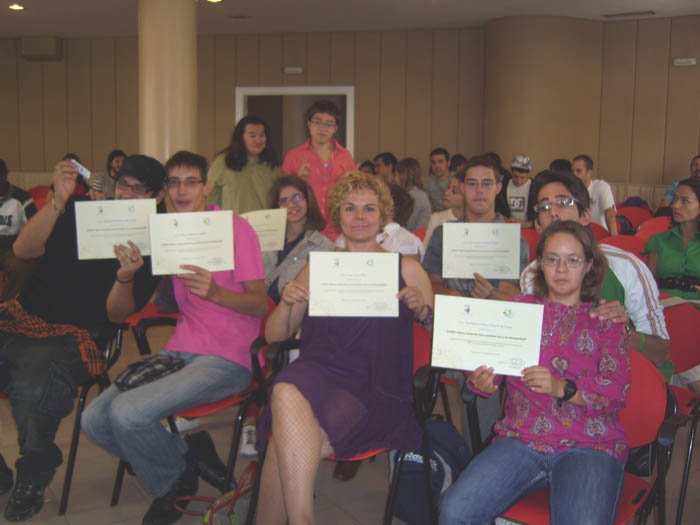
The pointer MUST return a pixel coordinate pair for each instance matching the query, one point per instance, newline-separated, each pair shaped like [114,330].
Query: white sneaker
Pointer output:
[248,441]
[184,424]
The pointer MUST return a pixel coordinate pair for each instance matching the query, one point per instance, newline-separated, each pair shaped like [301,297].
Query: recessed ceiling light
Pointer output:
[16,7]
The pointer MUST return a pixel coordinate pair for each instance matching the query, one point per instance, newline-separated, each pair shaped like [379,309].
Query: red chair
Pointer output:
[629,243]
[531,236]
[635,215]
[420,232]
[39,194]
[682,321]
[652,227]
[599,232]
[644,419]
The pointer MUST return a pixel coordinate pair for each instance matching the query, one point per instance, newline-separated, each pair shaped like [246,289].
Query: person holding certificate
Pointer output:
[51,335]
[350,390]
[219,318]
[561,429]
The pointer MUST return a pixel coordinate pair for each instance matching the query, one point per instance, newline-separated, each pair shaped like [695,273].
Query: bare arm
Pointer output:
[656,349]
[652,262]
[418,294]
[287,317]
[610,220]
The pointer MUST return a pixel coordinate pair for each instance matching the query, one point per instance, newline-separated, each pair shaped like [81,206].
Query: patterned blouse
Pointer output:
[590,352]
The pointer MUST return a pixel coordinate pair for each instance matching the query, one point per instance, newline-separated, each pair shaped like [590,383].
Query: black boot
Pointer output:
[25,501]
[5,477]
[162,511]
[211,468]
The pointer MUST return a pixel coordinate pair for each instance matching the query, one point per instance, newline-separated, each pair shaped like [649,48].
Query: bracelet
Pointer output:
[126,282]
[55,208]
[644,341]
[427,318]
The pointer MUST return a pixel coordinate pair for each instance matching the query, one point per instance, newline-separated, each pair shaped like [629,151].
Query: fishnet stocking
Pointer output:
[295,450]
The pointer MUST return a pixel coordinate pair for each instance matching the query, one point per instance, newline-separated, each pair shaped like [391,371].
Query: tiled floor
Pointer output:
[360,501]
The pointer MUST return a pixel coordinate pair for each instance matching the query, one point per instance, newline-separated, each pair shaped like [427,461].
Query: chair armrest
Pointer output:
[668,429]
[143,325]
[278,353]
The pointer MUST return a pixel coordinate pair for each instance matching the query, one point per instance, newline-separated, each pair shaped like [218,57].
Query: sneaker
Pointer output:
[184,424]
[248,441]
[25,501]
[162,510]
[5,477]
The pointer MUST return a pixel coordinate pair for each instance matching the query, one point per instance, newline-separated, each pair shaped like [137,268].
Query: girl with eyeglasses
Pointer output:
[561,430]
[243,173]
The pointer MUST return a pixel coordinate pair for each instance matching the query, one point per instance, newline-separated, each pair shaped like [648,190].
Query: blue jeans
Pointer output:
[584,484]
[127,424]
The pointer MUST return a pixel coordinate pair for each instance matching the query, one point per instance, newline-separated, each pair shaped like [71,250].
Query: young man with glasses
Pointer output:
[52,334]
[562,196]
[219,318]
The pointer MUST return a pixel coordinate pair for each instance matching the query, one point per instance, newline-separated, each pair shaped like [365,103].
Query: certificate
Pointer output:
[468,333]
[271,227]
[201,238]
[489,249]
[360,284]
[102,224]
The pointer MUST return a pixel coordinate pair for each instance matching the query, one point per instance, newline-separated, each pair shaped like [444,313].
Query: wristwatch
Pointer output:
[570,390]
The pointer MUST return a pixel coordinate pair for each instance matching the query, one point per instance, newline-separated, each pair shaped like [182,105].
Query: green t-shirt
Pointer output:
[676,259]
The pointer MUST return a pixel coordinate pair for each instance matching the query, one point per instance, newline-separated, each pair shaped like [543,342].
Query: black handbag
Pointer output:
[150,369]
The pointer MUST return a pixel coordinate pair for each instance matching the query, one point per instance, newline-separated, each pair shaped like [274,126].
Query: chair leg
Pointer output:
[427,472]
[117,489]
[445,402]
[70,465]
[686,470]
[393,489]
[256,489]
[474,429]
[141,340]
[235,443]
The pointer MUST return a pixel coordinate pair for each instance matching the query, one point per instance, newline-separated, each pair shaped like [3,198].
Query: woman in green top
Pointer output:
[243,173]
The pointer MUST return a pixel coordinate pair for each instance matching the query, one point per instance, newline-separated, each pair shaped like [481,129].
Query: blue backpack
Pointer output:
[449,455]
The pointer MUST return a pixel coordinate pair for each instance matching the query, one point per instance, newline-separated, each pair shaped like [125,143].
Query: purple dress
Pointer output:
[357,374]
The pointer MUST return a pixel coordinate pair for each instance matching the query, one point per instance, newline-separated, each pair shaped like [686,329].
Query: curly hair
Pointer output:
[314,218]
[356,180]
[236,153]
[593,280]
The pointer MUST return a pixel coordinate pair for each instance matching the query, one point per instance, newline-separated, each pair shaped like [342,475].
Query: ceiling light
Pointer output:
[214,1]
[16,7]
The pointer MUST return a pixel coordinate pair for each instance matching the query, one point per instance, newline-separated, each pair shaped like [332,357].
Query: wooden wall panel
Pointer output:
[683,114]
[31,136]
[419,81]
[127,94]
[55,113]
[445,90]
[392,96]
[206,94]
[294,54]
[343,58]
[9,108]
[225,92]
[79,99]
[104,101]
[247,53]
[617,102]
[270,60]
[650,98]
[471,92]
[318,59]
[367,46]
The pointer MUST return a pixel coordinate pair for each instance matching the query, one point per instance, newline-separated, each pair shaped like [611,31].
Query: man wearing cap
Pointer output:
[600,192]
[518,189]
[51,335]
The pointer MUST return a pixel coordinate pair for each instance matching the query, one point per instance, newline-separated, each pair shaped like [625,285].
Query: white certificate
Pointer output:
[468,333]
[489,249]
[360,284]
[201,238]
[102,224]
[271,227]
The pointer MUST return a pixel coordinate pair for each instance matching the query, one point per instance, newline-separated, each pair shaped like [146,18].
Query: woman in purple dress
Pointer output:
[350,390]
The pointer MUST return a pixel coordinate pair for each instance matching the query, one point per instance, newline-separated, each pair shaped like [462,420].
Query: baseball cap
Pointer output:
[522,162]
[146,170]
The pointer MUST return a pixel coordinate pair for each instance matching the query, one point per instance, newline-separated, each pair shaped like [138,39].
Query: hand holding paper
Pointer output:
[200,282]
[130,261]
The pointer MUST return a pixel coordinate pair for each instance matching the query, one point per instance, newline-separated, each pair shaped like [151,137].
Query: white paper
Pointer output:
[489,249]
[271,227]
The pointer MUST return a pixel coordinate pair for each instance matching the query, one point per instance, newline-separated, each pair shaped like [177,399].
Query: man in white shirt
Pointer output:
[602,199]
[518,189]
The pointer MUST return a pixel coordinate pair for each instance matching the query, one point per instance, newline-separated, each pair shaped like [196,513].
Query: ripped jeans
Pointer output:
[41,379]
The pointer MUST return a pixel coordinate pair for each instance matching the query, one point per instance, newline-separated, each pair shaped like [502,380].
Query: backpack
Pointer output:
[449,455]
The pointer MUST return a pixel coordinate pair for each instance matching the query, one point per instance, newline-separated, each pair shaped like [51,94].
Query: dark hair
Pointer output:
[323,106]
[586,159]
[189,160]
[485,162]
[441,151]
[403,204]
[560,165]
[570,181]
[694,159]
[494,157]
[368,164]
[457,161]
[236,154]
[314,218]
[113,155]
[694,184]
[388,159]
[3,168]
[410,173]
[593,280]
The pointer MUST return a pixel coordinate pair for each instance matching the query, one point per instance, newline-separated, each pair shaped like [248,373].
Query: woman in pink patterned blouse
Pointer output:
[561,430]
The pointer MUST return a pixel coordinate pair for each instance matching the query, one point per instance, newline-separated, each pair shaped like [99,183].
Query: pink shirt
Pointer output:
[204,327]
[323,174]
[592,353]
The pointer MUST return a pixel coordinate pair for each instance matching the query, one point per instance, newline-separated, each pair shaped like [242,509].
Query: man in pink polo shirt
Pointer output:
[320,160]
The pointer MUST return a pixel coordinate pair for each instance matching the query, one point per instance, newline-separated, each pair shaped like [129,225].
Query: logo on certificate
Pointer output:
[175,223]
[467,309]
[100,210]
[207,221]
[466,231]
[132,208]
[508,313]
[370,263]
[496,233]
[336,263]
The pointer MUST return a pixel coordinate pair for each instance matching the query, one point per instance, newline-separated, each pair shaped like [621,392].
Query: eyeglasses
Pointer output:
[189,182]
[473,184]
[138,189]
[283,201]
[326,124]
[559,202]
[552,261]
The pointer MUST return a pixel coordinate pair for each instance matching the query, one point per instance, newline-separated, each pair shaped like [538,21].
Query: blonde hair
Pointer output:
[356,180]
